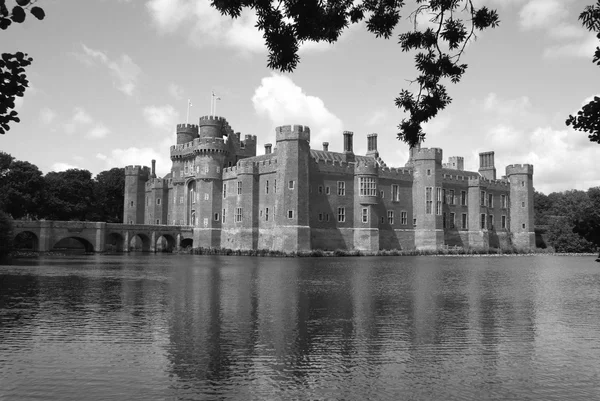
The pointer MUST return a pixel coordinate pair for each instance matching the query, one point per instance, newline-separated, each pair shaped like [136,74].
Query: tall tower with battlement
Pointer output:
[291,201]
[135,189]
[522,227]
[427,197]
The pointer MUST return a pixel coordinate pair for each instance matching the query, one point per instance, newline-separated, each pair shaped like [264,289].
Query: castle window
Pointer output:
[523,184]
[452,220]
[463,223]
[267,187]
[242,145]
[275,186]
[291,184]
[327,191]
[131,204]
[381,194]
[216,216]
[523,225]
[522,204]
[503,222]
[157,221]
[451,198]
[223,216]
[438,203]
[490,200]
[267,214]
[130,221]
[503,202]
[428,200]
[444,196]
[341,185]
[414,222]
[192,196]
[365,215]
[290,214]
[395,193]
[403,218]
[224,190]
[368,187]
[341,214]
[444,220]
[239,187]
[320,216]
[238,214]
[320,189]
[428,171]
[491,222]
[482,198]
[206,196]
[158,201]
[463,198]
[382,219]
[206,169]
[390,216]
[482,221]
[326,216]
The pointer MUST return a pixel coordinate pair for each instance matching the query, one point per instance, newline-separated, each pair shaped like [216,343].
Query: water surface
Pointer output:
[181,327]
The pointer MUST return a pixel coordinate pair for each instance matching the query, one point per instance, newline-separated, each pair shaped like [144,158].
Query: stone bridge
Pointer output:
[43,236]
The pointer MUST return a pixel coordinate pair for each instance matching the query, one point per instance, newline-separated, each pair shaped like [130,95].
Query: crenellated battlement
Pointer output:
[428,154]
[191,128]
[362,168]
[292,132]
[212,119]
[143,171]
[474,181]
[513,169]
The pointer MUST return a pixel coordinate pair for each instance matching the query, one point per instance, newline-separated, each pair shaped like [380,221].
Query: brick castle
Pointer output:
[297,198]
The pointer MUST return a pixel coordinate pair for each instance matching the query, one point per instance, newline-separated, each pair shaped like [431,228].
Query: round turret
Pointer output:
[213,127]
[186,133]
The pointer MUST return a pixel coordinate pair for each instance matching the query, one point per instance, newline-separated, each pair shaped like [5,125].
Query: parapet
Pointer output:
[513,169]
[427,154]
[141,171]
[363,168]
[292,133]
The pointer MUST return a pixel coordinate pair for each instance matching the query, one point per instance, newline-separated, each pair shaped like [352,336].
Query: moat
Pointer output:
[182,327]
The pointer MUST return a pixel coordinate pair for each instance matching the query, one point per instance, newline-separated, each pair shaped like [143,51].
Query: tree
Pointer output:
[6,235]
[563,239]
[69,195]
[109,195]
[288,23]
[588,118]
[541,207]
[21,187]
[13,80]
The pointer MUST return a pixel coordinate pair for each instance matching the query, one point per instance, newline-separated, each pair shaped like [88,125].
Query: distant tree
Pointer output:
[587,224]
[21,187]
[288,23]
[13,80]
[68,195]
[588,118]
[109,195]
[541,207]
[563,239]
[6,235]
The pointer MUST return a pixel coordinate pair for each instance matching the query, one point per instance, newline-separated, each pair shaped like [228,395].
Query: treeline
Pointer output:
[26,193]
[571,219]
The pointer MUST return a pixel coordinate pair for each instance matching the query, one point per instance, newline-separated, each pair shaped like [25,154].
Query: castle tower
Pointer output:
[427,197]
[291,200]
[135,194]
[486,165]
[366,197]
[522,227]
[186,133]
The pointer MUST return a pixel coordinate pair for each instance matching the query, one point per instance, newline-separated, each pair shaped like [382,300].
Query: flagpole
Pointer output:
[187,119]
[212,99]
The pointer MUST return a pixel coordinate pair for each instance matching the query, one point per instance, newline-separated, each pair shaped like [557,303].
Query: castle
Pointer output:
[297,198]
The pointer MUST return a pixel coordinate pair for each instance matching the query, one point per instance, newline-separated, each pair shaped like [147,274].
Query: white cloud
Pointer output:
[284,103]
[176,91]
[47,115]
[83,121]
[506,107]
[59,166]
[580,48]
[542,13]
[162,117]
[98,132]
[124,70]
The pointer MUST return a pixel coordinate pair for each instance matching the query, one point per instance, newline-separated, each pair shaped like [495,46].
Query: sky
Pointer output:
[111,79]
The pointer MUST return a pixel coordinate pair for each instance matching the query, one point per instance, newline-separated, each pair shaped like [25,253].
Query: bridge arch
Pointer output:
[187,242]
[165,243]
[114,242]
[69,243]
[139,242]
[27,241]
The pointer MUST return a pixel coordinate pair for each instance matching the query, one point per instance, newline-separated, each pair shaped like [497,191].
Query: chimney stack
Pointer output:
[153,168]
[268,148]
[348,142]
[372,145]
[326,146]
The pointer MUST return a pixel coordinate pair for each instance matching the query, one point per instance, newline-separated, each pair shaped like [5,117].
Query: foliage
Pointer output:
[6,234]
[109,195]
[588,118]
[21,187]
[13,80]
[69,195]
[288,23]
[564,240]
